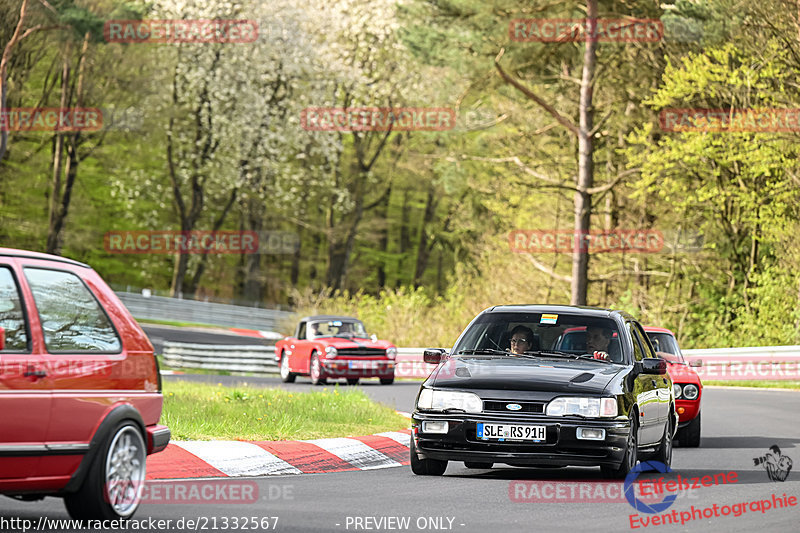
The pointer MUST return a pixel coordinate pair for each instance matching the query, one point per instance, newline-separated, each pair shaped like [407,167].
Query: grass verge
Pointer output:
[196,411]
[764,384]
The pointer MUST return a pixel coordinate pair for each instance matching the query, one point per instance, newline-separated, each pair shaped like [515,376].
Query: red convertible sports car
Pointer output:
[686,385]
[334,347]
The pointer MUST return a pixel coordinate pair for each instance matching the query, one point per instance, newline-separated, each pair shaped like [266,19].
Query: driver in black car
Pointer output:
[521,339]
[598,340]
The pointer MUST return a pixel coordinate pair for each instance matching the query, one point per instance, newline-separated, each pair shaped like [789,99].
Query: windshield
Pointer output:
[337,328]
[667,345]
[520,333]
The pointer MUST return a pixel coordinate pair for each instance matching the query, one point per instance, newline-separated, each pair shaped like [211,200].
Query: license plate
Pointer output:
[501,432]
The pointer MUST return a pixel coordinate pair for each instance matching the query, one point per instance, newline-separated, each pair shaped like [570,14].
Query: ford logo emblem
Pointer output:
[513,406]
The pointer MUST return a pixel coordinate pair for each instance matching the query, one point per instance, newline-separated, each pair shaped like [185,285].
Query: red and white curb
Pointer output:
[202,459]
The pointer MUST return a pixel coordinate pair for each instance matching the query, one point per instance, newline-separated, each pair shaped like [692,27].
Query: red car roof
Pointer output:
[652,329]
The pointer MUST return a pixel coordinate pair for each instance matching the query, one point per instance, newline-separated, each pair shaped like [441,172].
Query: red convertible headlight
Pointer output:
[391,353]
[690,391]
[331,351]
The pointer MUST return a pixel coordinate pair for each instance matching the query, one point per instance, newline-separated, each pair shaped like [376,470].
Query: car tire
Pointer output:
[425,467]
[286,376]
[479,466]
[315,371]
[120,462]
[352,381]
[630,458]
[387,381]
[664,453]
[690,435]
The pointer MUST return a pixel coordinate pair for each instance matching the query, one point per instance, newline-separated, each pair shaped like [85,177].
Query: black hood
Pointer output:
[541,374]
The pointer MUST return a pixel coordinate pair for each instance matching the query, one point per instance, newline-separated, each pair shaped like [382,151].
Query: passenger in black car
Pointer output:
[521,339]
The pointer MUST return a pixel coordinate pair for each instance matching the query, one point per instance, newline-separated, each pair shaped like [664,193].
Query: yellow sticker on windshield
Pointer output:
[548,319]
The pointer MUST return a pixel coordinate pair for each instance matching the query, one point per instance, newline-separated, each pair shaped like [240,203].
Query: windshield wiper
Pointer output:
[548,353]
[483,351]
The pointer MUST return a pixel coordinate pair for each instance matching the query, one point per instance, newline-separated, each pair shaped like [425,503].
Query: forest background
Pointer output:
[410,230]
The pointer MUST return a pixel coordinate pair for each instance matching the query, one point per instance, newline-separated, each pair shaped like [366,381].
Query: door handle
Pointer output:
[34,373]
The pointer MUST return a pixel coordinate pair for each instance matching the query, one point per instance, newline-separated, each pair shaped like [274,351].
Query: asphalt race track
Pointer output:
[739,425]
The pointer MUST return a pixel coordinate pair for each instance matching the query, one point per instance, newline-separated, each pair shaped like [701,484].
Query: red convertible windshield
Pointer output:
[337,328]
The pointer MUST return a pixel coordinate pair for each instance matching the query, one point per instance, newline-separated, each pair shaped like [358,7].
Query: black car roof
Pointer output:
[327,317]
[584,310]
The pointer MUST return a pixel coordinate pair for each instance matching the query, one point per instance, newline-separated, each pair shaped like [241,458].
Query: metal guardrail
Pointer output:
[760,363]
[177,309]
[233,358]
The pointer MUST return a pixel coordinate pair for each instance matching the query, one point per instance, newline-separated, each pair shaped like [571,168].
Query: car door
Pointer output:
[298,361]
[25,395]
[662,382]
[88,368]
[646,392]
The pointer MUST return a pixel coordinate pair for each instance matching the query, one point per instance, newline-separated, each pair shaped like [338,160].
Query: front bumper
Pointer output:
[562,447]
[690,410]
[357,368]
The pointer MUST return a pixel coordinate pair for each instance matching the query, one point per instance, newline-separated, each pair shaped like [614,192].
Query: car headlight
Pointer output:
[676,390]
[690,391]
[331,351]
[440,400]
[588,407]
[391,352]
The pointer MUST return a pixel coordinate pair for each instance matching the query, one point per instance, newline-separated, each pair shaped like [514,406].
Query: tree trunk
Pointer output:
[58,154]
[583,200]
[423,248]
[383,242]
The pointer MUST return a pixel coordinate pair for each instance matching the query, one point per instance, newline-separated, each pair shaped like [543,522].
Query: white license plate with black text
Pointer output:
[511,432]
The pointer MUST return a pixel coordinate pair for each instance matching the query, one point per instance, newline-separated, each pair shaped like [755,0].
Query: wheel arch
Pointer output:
[116,414]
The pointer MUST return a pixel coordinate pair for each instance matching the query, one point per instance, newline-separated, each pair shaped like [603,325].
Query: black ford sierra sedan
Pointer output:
[541,385]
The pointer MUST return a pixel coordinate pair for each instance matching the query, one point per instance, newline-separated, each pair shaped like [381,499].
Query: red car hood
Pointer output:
[681,373]
[341,343]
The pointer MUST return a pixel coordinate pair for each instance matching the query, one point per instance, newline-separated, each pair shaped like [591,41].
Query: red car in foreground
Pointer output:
[80,390]
[686,385]
[334,347]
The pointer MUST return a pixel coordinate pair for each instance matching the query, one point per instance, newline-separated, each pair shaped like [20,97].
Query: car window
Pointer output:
[642,336]
[665,343]
[547,331]
[72,319]
[301,332]
[12,318]
[638,353]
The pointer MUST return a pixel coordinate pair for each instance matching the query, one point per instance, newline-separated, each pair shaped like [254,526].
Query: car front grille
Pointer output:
[362,352]
[500,407]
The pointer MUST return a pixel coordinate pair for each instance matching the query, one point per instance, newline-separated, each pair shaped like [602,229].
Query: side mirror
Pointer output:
[654,365]
[433,355]
[696,363]
[2,338]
